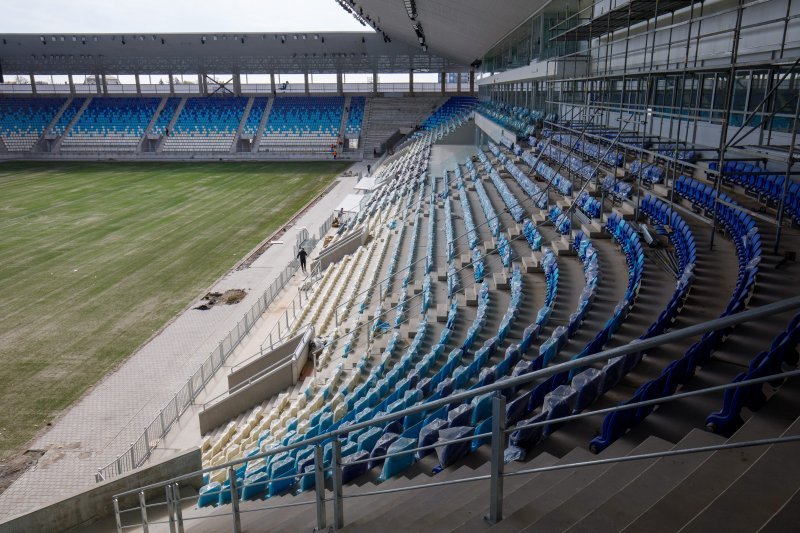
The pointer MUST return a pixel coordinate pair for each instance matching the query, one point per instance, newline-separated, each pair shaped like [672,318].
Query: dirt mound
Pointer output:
[229,297]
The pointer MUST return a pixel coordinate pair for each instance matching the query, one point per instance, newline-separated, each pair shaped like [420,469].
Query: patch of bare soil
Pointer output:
[15,466]
[229,297]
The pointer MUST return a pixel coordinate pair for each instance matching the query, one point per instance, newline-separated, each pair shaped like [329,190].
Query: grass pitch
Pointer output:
[95,257]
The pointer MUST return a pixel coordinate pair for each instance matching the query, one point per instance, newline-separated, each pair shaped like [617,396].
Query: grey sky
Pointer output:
[173,16]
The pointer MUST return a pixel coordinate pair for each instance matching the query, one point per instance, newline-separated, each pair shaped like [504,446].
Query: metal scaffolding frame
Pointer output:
[645,59]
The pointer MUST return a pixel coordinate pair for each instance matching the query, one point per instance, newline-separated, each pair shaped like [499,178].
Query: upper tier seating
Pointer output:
[768,186]
[23,120]
[520,120]
[303,124]
[455,106]
[355,117]
[206,124]
[111,125]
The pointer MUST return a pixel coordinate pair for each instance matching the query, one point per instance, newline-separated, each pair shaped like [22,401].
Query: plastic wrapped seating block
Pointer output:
[209,494]
[394,465]
[483,427]
[517,408]
[306,477]
[450,453]
[428,435]
[352,471]
[225,490]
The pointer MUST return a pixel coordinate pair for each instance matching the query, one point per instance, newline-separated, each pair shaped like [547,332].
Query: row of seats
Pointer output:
[111,124]
[559,182]
[310,121]
[253,120]
[649,172]
[24,120]
[768,186]
[469,222]
[531,189]
[206,125]
[455,106]
[514,208]
[589,205]
[520,120]
[618,189]
[355,117]
[672,150]
[493,221]
[575,164]
[742,229]
[165,116]
[592,151]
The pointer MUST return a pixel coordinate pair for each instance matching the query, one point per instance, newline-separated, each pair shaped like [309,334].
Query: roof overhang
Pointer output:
[220,53]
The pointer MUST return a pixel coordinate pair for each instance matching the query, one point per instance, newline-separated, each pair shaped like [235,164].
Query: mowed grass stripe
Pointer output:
[145,239]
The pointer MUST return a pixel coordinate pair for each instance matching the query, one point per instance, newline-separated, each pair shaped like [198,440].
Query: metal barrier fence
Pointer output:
[140,450]
[497,436]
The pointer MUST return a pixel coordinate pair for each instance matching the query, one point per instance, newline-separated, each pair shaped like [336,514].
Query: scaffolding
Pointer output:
[659,79]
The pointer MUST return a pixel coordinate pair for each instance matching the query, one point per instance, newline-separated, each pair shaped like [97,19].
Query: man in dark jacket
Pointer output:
[302,256]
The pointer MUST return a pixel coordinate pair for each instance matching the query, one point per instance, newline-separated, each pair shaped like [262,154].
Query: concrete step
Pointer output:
[518,490]
[720,469]
[762,489]
[625,211]
[594,230]
[563,249]
[664,474]
[785,519]
[583,498]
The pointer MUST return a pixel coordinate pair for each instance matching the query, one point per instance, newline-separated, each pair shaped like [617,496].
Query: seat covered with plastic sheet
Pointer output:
[587,384]
[452,452]
[209,494]
[429,434]
[352,471]
[396,464]
[381,447]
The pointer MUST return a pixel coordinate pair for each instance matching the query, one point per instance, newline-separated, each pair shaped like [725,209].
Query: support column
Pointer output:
[458,82]
[237,84]
[97,83]
[71,84]
[171,85]
[471,81]
[305,82]
[33,83]
[105,85]
[444,82]
[411,81]
[200,83]
[339,84]
[138,85]
[375,82]
[272,82]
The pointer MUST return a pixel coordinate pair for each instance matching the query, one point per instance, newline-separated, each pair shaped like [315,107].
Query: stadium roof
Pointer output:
[217,53]
[460,30]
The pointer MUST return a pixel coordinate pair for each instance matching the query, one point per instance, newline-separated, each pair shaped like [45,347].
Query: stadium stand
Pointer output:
[24,120]
[111,125]
[206,125]
[303,124]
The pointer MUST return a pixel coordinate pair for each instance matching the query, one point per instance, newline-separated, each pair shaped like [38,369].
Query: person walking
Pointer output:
[369,169]
[302,256]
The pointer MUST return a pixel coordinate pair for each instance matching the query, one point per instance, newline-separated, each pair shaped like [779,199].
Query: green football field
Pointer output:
[96,257]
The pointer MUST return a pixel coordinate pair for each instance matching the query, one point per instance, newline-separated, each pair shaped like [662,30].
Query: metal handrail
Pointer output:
[778,307]
[529,471]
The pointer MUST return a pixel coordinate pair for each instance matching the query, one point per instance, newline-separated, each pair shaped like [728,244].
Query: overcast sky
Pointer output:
[173,16]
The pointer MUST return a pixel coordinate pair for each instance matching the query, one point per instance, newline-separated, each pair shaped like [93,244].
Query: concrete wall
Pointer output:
[78,510]
[463,135]
[492,129]
[248,396]
[338,250]
[278,355]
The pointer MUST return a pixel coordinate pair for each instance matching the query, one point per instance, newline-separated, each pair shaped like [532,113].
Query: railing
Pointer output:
[497,436]
[140,450]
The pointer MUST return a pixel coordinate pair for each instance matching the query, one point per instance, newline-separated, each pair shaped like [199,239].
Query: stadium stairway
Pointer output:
[72,120]
[171,126]
[152,123]
[40,144]
[388,115]
[242,122]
